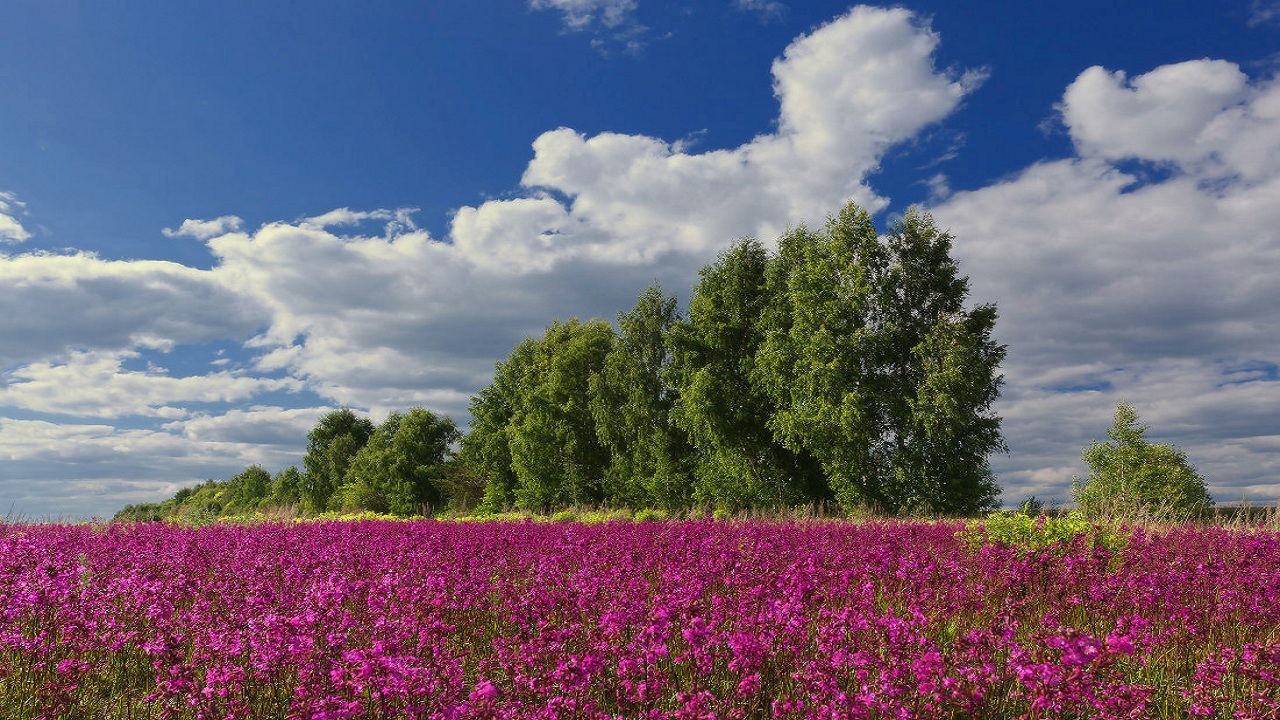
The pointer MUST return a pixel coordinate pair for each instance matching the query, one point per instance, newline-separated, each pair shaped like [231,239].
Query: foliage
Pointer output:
[842,367]
[403,466]
[331,446]
[286,489]
[842,370]
[556,452]
[721,406]
[650,459]
[401,469]
[245,490]
[747,620]
[1130,476]
[878,371]
[486,449]
[1041,533]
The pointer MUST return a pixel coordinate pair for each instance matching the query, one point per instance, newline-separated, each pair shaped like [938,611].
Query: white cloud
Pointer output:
[10,229]
[55,303]
[582,14]
[256,425]
[1160,116]
[1263,11]
[1113,289]
[205,229]
[847,92]
[96,384]
[610,22]
[112,466]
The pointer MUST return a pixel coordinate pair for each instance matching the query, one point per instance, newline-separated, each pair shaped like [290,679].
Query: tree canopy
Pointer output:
[843,366]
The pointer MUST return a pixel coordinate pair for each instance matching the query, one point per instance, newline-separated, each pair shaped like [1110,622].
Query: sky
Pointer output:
[219,221]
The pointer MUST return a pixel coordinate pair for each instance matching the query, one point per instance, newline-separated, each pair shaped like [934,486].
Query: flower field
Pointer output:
[379,619]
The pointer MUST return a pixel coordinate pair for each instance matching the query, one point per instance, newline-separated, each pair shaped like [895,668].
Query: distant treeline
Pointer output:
[843,368]
[403,466]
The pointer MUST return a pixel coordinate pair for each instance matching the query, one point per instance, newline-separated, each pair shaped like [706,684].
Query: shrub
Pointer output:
[1040,533]
[649,514]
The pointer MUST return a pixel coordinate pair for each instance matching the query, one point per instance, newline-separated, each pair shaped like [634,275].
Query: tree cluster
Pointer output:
[399,467]
[843,367]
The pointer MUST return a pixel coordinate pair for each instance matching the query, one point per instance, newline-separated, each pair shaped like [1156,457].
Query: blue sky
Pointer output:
[219,221]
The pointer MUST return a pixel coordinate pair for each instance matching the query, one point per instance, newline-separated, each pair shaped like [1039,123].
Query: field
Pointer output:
[698,619]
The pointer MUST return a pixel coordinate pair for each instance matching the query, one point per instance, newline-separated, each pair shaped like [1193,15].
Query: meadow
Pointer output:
[691,619]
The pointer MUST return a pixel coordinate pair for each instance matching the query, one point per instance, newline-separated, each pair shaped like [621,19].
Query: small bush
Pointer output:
[564,516]
[1040,533]
[649,515]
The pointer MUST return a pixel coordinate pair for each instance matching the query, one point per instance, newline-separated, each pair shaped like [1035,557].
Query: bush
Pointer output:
[357,496]
[649,515]
[1040,533]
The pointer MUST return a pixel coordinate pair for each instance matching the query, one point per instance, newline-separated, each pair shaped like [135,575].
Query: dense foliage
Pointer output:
[639,620]
[842,367]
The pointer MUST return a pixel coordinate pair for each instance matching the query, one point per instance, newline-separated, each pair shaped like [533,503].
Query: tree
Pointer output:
[877,370]
[245,490]
[720,406]
[286,488]
[1128,475]
[331,445]
[556,453]
[401,469]
[631,402]
[486,449]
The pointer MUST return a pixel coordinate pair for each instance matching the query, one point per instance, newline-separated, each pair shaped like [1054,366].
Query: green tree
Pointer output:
[286,488]
[1128,475]
[486,449]
[631,401]
[245,490]
[720,406]
[876,368]
[401,469]
[556,453]
[331,446]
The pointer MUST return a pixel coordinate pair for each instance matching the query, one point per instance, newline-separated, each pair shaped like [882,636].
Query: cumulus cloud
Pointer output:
[76,470]
[1162,116]
[256,425]
[1112,287]
[847,92]
[10,229]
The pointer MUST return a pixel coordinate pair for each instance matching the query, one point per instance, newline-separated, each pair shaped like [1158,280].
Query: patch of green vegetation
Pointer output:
[1040,533]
